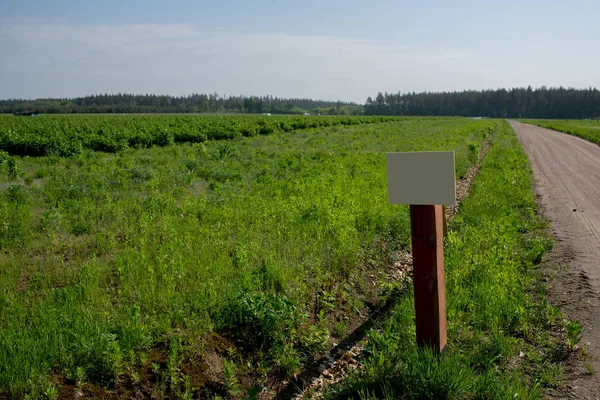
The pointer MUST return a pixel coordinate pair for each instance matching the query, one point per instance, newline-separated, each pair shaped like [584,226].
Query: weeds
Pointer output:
[110,255]
[590,368]
[12,169]
[499,345]
[274,325]
[574,332]
[229,378]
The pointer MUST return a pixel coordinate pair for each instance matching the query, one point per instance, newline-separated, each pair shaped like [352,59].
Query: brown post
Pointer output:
[427,229]
[445,221]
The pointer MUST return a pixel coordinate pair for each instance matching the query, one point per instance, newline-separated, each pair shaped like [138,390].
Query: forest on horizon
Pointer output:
[543,102]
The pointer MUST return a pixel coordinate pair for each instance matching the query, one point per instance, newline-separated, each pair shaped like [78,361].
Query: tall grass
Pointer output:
[106,256]
[499,345]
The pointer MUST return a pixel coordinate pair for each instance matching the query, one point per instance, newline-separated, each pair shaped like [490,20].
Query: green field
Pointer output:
[67,135]
[588,129]
[499,325]
[124,271]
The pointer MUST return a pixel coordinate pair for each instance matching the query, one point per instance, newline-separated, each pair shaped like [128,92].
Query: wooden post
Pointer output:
[423,179]
[445,221]
[427,230]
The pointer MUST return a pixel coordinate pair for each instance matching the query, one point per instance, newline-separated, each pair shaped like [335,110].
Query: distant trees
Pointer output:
[543,102]
[527,102]
[194,103]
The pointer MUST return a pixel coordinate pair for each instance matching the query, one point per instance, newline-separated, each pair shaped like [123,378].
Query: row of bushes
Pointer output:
[69,135]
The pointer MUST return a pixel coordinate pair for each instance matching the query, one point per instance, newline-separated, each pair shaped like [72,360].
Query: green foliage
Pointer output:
[194,103]
[108,255]
[588,129]
[265,320]
[474,149]
[590,368]
[494,311]
[428,377]
[12,169]
[519,102]
[276,326]
[418,374]
[229,377]
[574,332]
[67,136]
[40,387]
[15,216]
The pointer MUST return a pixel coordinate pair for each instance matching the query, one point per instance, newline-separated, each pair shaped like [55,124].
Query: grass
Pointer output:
[587,129]
[499,324]
[590,369]
[116,269]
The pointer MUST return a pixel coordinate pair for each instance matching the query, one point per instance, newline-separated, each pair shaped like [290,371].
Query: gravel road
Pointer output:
[567,180]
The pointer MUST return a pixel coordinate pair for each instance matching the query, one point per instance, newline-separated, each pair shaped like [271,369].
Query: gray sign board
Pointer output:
[421,178]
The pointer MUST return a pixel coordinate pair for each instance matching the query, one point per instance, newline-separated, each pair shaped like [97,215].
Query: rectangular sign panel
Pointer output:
[421,178]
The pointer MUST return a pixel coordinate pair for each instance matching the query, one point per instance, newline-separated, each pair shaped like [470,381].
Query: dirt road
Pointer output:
[567,178]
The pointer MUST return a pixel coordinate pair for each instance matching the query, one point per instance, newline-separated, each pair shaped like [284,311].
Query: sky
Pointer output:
[328,49]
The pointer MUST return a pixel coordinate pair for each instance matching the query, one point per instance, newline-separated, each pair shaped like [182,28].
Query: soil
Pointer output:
[567,183]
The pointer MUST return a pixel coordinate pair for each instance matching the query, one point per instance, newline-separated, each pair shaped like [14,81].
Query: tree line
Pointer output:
[194,103]
[543,102]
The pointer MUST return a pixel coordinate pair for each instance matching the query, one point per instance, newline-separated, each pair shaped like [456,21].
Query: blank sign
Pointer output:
[421,178]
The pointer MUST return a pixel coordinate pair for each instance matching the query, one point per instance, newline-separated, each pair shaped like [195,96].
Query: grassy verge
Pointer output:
[499,324]
[586,129]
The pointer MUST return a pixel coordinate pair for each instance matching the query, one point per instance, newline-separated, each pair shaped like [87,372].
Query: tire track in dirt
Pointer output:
[567,181]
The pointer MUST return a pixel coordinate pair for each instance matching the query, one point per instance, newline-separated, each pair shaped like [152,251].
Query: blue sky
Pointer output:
[320,49]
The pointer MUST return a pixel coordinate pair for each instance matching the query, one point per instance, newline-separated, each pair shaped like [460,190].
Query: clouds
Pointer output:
[61,59]
[54,59]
